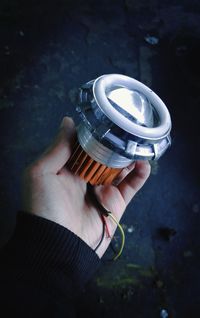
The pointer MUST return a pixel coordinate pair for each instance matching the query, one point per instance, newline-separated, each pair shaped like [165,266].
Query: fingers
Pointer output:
[123,174]
[115,199]
[56,156]
[134,180]
[111,199]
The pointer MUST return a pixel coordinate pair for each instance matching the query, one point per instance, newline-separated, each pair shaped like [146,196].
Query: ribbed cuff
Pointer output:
[48,255]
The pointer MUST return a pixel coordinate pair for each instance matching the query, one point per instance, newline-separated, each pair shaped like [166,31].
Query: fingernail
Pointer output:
[62,123]
[65,121]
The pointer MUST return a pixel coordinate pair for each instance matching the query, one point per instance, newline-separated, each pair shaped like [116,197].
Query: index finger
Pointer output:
[56,156]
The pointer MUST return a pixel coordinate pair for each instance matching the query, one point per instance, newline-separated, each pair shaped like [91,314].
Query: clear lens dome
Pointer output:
[133,105]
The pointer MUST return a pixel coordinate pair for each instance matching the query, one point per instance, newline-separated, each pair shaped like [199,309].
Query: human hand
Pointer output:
[51,191]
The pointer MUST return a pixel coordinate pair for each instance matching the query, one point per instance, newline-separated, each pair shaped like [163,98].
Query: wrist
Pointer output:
[49,253]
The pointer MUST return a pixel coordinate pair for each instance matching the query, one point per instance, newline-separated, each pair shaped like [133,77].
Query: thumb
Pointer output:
[58,153]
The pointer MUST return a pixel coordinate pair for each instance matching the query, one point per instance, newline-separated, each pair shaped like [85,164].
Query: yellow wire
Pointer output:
[122,235]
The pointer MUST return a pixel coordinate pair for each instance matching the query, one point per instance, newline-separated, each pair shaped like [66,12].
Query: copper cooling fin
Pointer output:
[80,163]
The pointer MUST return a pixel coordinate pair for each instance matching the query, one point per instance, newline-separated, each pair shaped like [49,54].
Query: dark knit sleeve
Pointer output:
[46,258]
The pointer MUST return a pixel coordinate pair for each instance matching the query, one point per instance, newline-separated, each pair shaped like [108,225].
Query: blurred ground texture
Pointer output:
[47,50]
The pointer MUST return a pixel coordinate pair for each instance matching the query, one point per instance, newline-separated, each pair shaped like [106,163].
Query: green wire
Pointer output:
[122,234]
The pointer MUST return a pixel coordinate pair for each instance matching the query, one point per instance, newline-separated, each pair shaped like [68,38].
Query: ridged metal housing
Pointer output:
[122,120]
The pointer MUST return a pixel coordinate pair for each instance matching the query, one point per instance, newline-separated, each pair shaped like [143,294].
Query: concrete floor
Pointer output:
[47,50]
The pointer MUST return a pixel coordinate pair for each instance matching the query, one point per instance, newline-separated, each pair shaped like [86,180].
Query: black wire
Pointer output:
[95,201]
[102,237]
[101,210]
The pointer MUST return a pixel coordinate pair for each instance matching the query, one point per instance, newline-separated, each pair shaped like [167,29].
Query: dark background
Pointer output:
[47,50]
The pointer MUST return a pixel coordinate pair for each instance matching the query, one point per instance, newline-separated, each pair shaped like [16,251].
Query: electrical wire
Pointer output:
[105,213]
[102,236]
[122,235]
[106,227]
